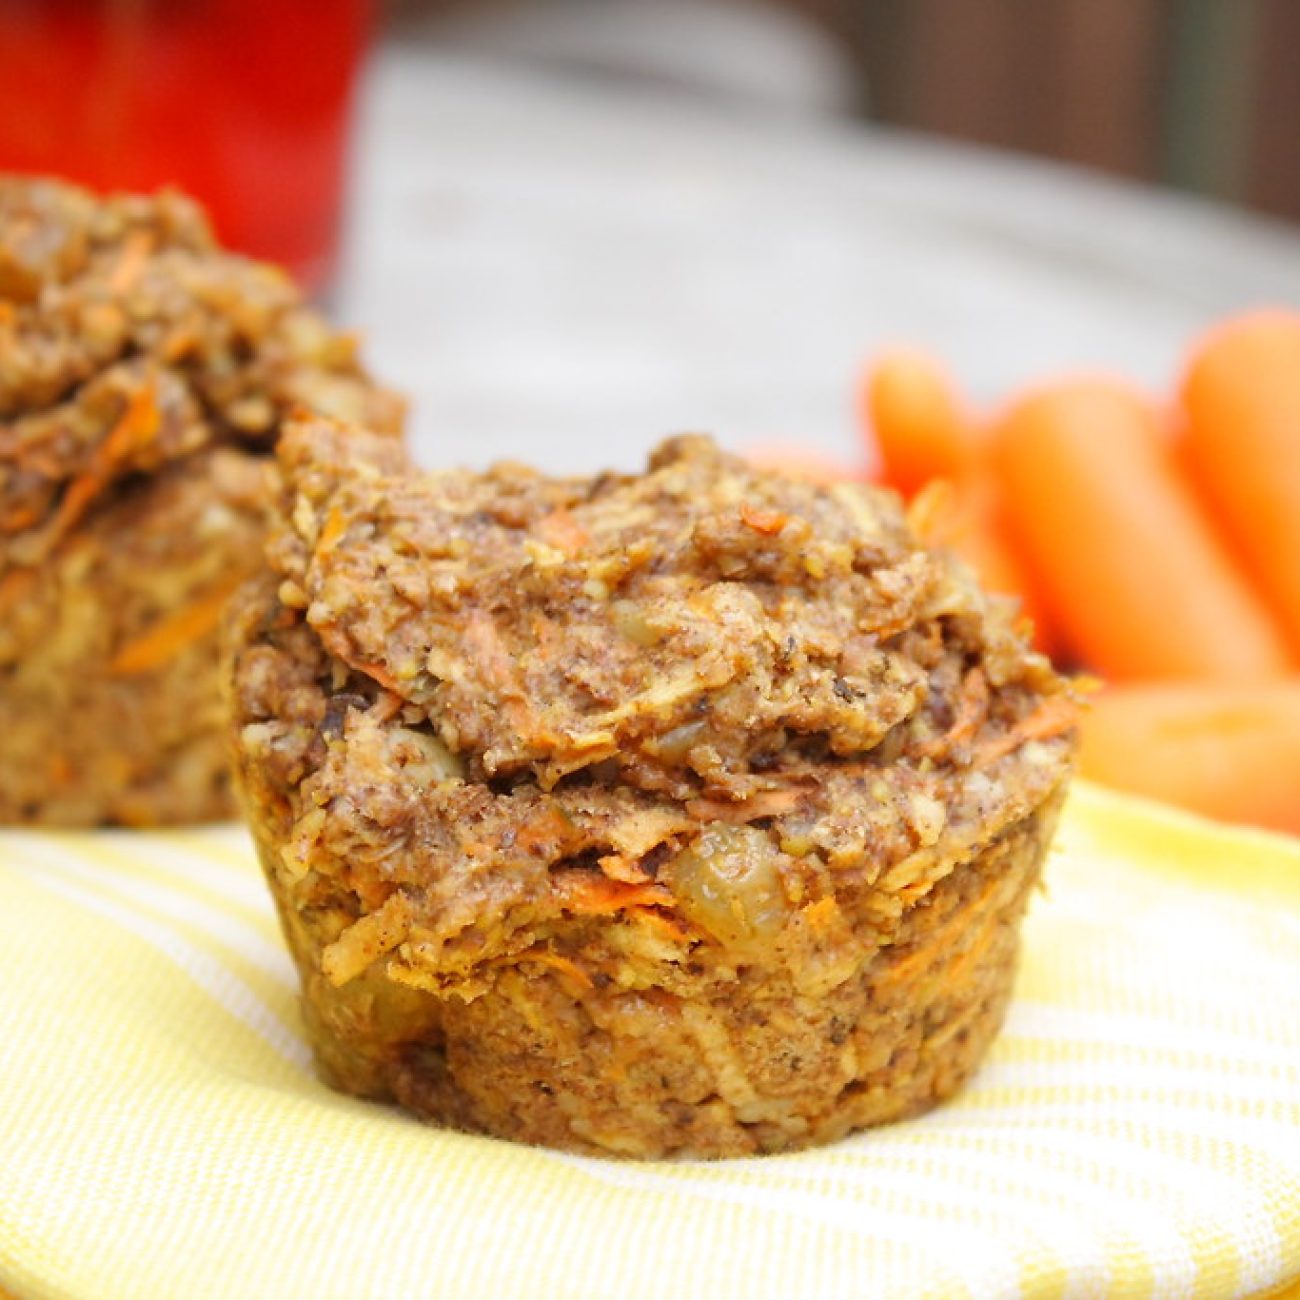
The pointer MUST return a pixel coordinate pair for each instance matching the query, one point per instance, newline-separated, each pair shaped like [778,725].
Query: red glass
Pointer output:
[243,103]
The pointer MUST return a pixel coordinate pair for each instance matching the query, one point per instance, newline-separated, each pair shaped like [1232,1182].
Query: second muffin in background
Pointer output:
[692,812]
[144,376]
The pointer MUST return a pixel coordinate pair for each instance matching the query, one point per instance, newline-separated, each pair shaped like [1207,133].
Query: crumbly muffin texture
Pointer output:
[144,376]
[688,812]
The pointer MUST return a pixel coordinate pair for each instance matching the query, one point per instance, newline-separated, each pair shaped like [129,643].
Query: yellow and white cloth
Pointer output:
[1136,1131]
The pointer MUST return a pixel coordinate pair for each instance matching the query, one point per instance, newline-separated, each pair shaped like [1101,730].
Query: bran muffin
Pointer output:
[684,813]
[144,376]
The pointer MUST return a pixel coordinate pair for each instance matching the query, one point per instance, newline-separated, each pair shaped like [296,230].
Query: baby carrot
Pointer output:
[967,517]
[911,406]
[1241,396]
[1130,569]
[1223,749]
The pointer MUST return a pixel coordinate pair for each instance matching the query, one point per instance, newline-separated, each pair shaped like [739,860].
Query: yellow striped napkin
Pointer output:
[1136,1131]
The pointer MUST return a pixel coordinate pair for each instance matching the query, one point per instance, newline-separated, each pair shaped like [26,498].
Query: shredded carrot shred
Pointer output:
[338,646]
[963,921]
[618,866]
[1053,717]
[972,953]
[167,638]
[822,915]
[330,534]
[556,962]
[668,925]
[767,803]
[562,531]
[387,706]
[377,672]
[972,708]
[762,521]
[599,896]
[137,425]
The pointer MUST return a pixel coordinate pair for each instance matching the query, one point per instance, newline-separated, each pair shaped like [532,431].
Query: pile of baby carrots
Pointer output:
[1154,543]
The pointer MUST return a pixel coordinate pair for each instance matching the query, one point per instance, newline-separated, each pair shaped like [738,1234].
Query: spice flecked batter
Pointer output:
[692,812]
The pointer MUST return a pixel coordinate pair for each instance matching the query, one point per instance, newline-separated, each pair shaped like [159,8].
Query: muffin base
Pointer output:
[746,1067]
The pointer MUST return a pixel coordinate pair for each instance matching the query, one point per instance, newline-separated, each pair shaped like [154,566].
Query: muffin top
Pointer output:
[129,339]
[702,630]
[706,683]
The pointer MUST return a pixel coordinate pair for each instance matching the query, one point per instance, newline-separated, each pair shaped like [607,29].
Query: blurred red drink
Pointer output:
[244,103]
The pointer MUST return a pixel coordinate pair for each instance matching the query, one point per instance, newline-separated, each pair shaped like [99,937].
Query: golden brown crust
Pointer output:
[775,900]
[134,351]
